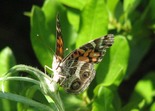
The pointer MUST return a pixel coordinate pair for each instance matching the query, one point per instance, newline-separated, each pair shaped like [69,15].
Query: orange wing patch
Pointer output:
[82,58]
[59,47]
[94,54]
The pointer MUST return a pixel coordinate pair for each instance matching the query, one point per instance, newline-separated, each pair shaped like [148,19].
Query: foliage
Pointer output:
[82,21]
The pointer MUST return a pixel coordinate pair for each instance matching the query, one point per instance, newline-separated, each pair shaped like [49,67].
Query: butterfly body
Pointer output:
[76,71]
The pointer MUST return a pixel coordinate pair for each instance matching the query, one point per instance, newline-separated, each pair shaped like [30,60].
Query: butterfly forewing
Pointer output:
[59,41]
[93,51]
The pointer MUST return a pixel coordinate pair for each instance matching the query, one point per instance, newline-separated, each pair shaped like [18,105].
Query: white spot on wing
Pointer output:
[93,44]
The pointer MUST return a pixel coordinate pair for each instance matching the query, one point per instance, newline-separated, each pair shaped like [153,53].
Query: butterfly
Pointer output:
[76,71]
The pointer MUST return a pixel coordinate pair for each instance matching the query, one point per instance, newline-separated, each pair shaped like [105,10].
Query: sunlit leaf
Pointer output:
[148,84]
[7,60]
[103,99]
[94,22]
[113,67]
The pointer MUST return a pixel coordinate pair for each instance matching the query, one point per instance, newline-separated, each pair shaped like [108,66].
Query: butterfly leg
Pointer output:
[55,75]
[47,67]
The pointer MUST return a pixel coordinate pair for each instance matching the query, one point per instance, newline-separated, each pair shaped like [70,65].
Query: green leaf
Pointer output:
[94,21]
[50,9]
[143,94]
[140,40]
[7,60]
[150,11]
[73,102]
[148,14]
[133,106]
[130,5]
[152,107]
[74,19]
[24,100]
[103,99]
[148,84]
[113,67]
[41,37]
[139,46]
[112,4]
[77,4]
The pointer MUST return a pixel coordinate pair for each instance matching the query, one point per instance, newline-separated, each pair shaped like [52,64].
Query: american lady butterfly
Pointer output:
[76,71]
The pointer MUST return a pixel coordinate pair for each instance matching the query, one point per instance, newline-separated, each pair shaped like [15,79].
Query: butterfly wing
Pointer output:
[78,76]
[78,66]
[93,51]
[58,57]
[59,41]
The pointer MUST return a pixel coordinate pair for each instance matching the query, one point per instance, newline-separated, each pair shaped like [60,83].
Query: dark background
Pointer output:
[15,33]
[15,29]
